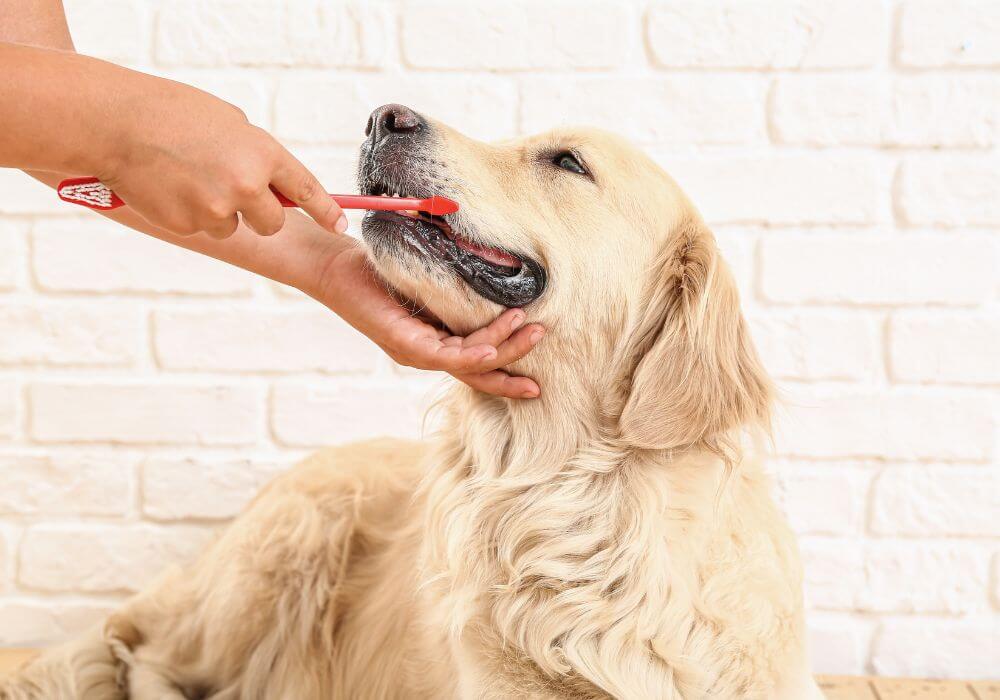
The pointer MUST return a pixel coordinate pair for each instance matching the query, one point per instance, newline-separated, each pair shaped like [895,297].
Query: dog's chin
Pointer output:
[433,291]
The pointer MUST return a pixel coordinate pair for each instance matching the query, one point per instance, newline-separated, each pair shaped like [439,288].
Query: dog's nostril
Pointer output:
[392,119]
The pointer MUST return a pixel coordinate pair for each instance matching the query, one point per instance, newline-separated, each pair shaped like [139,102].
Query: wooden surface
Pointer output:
[835,687]
[12,658]
[854,688]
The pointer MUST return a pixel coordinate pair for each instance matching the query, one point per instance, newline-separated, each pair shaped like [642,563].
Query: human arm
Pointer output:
[184,160]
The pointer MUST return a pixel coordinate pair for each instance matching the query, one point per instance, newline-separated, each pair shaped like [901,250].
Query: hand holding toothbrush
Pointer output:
[184,160]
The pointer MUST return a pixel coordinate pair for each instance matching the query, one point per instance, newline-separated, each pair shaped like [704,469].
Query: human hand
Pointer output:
[187,161]
[348,286]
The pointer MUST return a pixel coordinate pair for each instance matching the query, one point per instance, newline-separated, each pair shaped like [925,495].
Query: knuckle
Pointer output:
[307,188]
[238,112]
[245,186]
[218,208]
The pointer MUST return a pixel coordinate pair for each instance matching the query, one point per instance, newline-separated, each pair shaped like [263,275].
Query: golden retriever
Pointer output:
[613,538]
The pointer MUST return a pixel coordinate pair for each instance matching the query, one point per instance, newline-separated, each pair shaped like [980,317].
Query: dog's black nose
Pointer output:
[392,119]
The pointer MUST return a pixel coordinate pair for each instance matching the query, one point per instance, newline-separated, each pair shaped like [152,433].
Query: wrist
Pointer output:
[319,254]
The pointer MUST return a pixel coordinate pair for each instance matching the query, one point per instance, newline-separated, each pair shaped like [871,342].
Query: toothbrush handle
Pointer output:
[92,193]
[361,201]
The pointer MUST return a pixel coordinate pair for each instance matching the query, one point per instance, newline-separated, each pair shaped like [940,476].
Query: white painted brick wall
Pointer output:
[845,150]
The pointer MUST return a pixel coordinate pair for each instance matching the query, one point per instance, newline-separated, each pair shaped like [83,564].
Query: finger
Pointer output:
[430,353]
[264,214]
[500,383]
[223,228]
[294,181]
[516,347]
[499,330]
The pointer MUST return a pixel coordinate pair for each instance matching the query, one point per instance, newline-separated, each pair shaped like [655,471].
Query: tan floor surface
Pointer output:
[835,687]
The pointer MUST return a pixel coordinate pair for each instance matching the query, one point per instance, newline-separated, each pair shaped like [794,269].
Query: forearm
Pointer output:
[36,23]
[59,110]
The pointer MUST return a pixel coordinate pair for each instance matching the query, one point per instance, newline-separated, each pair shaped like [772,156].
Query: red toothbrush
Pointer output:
[92,193]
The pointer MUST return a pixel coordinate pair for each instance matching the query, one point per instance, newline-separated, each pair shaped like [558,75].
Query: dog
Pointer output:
[614,537]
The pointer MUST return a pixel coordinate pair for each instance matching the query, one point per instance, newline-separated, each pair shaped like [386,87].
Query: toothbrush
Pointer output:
[93,194]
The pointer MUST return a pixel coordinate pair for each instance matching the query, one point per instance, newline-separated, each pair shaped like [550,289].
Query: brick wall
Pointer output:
[845,151]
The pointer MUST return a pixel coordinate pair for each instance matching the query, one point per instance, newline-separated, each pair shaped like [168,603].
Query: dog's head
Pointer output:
[594,241]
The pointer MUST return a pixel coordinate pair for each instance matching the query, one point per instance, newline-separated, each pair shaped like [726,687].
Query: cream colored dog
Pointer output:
[614,537]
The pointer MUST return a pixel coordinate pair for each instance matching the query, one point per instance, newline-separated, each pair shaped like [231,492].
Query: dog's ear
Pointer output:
[696,373]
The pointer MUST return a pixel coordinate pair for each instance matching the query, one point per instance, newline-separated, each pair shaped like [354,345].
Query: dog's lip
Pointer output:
[497,256]
[427,238]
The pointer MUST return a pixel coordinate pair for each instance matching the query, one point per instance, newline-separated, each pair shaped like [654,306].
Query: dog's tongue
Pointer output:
[497,257]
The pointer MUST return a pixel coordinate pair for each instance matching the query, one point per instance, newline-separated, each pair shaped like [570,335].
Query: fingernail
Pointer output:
[341,224]
[536,336]
[516,321]
[529,394]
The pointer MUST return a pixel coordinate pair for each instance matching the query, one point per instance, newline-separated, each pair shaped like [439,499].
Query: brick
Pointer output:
[140,413]
[339,34]
[311,33]
[946,110]
[207,489]
[995,577]
[26,623]
[6,566]
[105,558]
[950,190]
[13,255]
[69,335]
[739,249]
[930,648]
[96,255]
[939,348]
[678,110]
[9,409]
[333,413]
[822,500]
[854,268]
[220,33]
[20,194]
[816,345]
[956,33]
[257,340]
[837,646]
[909,577]
[319,109]
[74,484]
[893,424]
[800,33]
[996,581]
[517,35]
[828,110]
[119,31]
[783,189]
[936,500]
[834,573]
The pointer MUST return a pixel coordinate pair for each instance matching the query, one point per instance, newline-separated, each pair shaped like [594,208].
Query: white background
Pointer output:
[844,151]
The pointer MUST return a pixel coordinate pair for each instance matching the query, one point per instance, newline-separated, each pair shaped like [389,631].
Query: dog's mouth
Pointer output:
[503,277]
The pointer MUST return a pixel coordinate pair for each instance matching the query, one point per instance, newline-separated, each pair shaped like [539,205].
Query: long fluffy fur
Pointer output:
[614,538]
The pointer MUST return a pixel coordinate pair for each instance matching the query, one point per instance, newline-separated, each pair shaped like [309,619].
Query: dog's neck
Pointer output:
[533,503]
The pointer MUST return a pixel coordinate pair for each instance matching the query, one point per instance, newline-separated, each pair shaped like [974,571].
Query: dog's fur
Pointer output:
[614,537]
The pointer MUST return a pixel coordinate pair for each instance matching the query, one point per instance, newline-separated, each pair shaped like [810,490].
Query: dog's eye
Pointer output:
[568,161]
